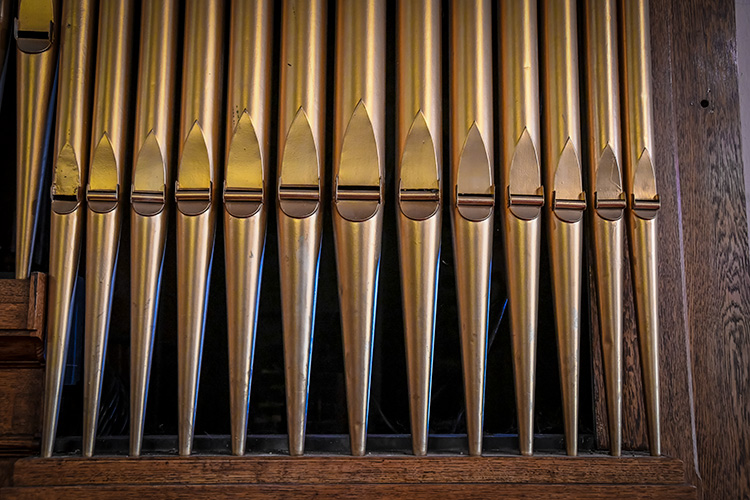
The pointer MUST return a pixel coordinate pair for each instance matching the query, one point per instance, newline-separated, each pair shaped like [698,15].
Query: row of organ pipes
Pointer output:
[539,177]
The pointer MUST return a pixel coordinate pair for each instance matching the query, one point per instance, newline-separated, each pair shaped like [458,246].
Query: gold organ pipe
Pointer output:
[36,32]
[196,195]
[472,194]
[104,195]
[605,188]
[301,159]
[642,196]
[153,164]
[72,143]
[562,168]
[419,184]
[358,196]
[522,197]
[246,197]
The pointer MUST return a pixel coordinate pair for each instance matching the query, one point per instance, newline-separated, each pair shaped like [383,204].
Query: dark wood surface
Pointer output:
[346,469]
[712,247]
[20,409]
[22,315]
[358,491]
[634,432]
[351,477]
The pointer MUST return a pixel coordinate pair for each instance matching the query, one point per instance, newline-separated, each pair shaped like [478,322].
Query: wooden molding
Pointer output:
[373,476]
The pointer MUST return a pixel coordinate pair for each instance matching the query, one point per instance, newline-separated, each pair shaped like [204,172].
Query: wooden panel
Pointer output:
[20,409]
[6,471]
[344,469]
[357,491]
[634,426]
[22,315]
[714,241]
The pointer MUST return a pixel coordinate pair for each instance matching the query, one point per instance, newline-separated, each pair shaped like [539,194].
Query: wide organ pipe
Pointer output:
[358,193]
[70,169]
[564,184]
[153,166]
[196,195]
[419,200]
[522,197]
[301,157]
[472,194]
[246,195]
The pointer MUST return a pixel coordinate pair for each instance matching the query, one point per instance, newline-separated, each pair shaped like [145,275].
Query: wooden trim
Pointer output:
[345,469]
[357,491]
[555,477]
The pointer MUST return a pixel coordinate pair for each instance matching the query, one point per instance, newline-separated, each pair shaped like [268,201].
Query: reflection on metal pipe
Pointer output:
[522,197]
[245,194]
[72,143]
[605,188]
[196,194]
[643,198]
[562,167]
[419,183]
[152,174]
[358,182]
[36,31]
[104,196]
[301,157]
[472,194]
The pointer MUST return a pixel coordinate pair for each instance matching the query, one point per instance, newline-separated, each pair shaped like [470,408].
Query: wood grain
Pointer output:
[714,239]
[344,469]
[634,428]
[22,316]
[357,491]
[20,409]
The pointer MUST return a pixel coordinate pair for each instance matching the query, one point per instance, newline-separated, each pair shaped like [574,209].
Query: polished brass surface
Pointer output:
[419,185]
[605,188]
[300,187]
[196,194]
[72,145]
[246,198]
[562,172]
[36,32]
[522,197]
[153,164]
[472,194]
[105,195]
[358,182]
[643,198]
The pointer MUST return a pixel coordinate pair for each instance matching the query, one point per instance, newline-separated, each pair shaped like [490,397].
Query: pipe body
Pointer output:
[563,182]
[643,198]
[605,188]
[246,197]
[72,143]
[522,198]
[196,196]
[301,156]
[36,33]
[472,194]
[153,165]
[419,187]
[105,195]
[358,196]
